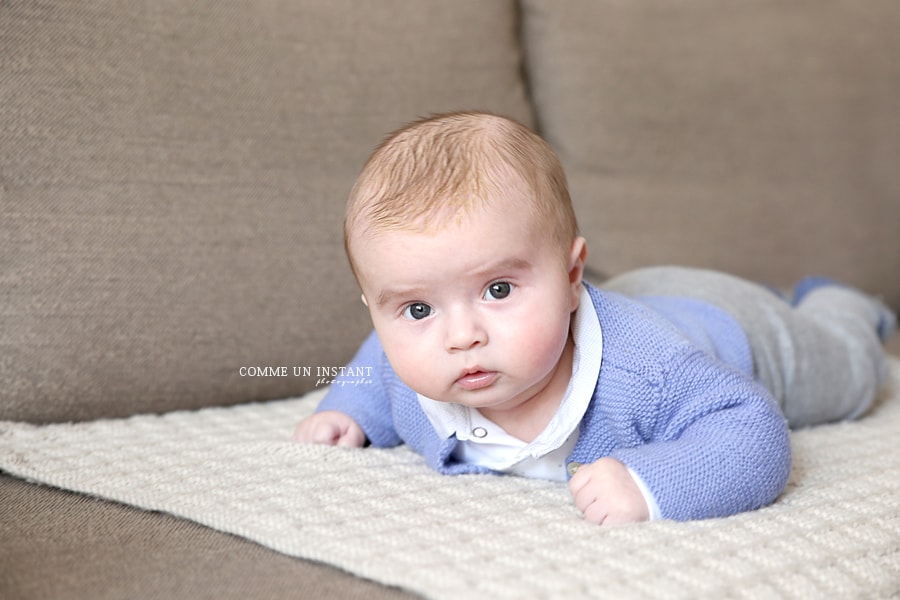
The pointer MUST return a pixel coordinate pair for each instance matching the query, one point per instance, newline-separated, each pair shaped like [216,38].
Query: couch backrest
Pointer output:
[762,138]
[173,179]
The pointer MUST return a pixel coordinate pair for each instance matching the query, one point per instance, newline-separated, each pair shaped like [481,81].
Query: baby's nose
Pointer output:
[465,332]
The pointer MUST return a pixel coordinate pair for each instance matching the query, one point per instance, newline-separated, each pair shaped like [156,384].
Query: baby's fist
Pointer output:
[331,428]
[605,492]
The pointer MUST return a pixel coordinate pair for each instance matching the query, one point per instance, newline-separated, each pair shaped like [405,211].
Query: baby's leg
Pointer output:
[841,332]
[822,360]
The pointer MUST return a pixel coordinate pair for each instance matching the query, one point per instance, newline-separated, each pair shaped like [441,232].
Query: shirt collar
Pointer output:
[455,419]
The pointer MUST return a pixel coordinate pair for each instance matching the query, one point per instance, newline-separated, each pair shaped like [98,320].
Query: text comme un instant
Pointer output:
[305,371]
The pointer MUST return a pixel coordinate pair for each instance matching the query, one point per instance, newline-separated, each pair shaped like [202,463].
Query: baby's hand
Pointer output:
[606,494]
[332,428]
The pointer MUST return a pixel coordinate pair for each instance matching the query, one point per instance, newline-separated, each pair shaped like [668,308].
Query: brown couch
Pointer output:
[172,176]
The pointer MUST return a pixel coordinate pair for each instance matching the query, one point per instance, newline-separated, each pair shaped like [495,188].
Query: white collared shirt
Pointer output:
[483,442]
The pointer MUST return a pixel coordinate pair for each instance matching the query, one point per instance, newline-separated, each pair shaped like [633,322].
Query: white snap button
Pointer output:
[572,468]
[479,432]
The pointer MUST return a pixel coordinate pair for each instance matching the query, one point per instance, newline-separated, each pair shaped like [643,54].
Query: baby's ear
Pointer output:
[577,258]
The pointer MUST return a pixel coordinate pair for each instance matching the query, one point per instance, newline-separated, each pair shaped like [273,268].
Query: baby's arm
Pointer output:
[606,493]
[719,444]
[331,428]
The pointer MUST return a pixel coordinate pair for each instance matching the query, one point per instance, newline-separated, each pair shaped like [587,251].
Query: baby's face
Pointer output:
[477,313]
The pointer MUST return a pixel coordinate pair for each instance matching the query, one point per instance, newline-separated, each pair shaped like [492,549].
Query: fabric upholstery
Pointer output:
[758,138]
[173,178]
[71,547]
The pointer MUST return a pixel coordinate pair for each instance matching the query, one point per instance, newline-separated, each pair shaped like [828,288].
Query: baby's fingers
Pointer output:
[580,479]
[583,493]
[330,428]
[320,428]
[325,433]
[588,499]
[310,432]
[352,436]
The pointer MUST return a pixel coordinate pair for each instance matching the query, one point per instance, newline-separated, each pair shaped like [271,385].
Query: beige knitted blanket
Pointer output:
[382,514]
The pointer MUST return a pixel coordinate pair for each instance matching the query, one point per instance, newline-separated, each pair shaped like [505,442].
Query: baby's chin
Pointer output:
[470,399]
[494,393]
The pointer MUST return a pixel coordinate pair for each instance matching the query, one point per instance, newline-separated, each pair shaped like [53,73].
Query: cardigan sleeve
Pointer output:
[362,394]
[719,446]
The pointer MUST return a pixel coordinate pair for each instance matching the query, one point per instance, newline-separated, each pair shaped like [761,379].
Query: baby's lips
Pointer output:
[477,379]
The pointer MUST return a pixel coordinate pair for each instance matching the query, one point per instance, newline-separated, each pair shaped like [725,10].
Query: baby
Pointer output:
[668,393]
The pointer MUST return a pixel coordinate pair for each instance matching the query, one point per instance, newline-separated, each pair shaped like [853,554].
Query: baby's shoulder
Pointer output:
[635,336]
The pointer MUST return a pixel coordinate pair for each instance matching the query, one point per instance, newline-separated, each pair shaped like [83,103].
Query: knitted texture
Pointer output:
[384,515]
[705,438]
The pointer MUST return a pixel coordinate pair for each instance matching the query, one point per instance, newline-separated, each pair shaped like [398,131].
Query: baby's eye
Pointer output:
[417,311]
[498,291]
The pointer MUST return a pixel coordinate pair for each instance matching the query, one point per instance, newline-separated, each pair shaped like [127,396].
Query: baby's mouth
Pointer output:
[476,379]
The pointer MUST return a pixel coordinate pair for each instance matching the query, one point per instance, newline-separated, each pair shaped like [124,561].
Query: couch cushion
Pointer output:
[756,137]
[173,178]
[66,546]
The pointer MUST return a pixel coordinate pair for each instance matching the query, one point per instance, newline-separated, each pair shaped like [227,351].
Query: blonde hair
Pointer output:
[441,168]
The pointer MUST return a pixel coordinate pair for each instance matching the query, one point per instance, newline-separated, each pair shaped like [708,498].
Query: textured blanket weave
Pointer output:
[382,514]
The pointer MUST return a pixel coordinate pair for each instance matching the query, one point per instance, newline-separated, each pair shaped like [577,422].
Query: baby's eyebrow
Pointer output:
[387,295]
[510,264]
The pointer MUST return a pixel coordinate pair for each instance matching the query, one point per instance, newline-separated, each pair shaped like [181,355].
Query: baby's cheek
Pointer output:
[415,367]
[401,362]
[542,346]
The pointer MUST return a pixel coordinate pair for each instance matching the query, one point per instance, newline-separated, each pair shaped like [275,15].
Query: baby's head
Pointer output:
[436,171]
[462,236]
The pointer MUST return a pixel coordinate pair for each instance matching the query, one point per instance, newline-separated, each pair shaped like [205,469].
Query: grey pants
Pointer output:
[822,360]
